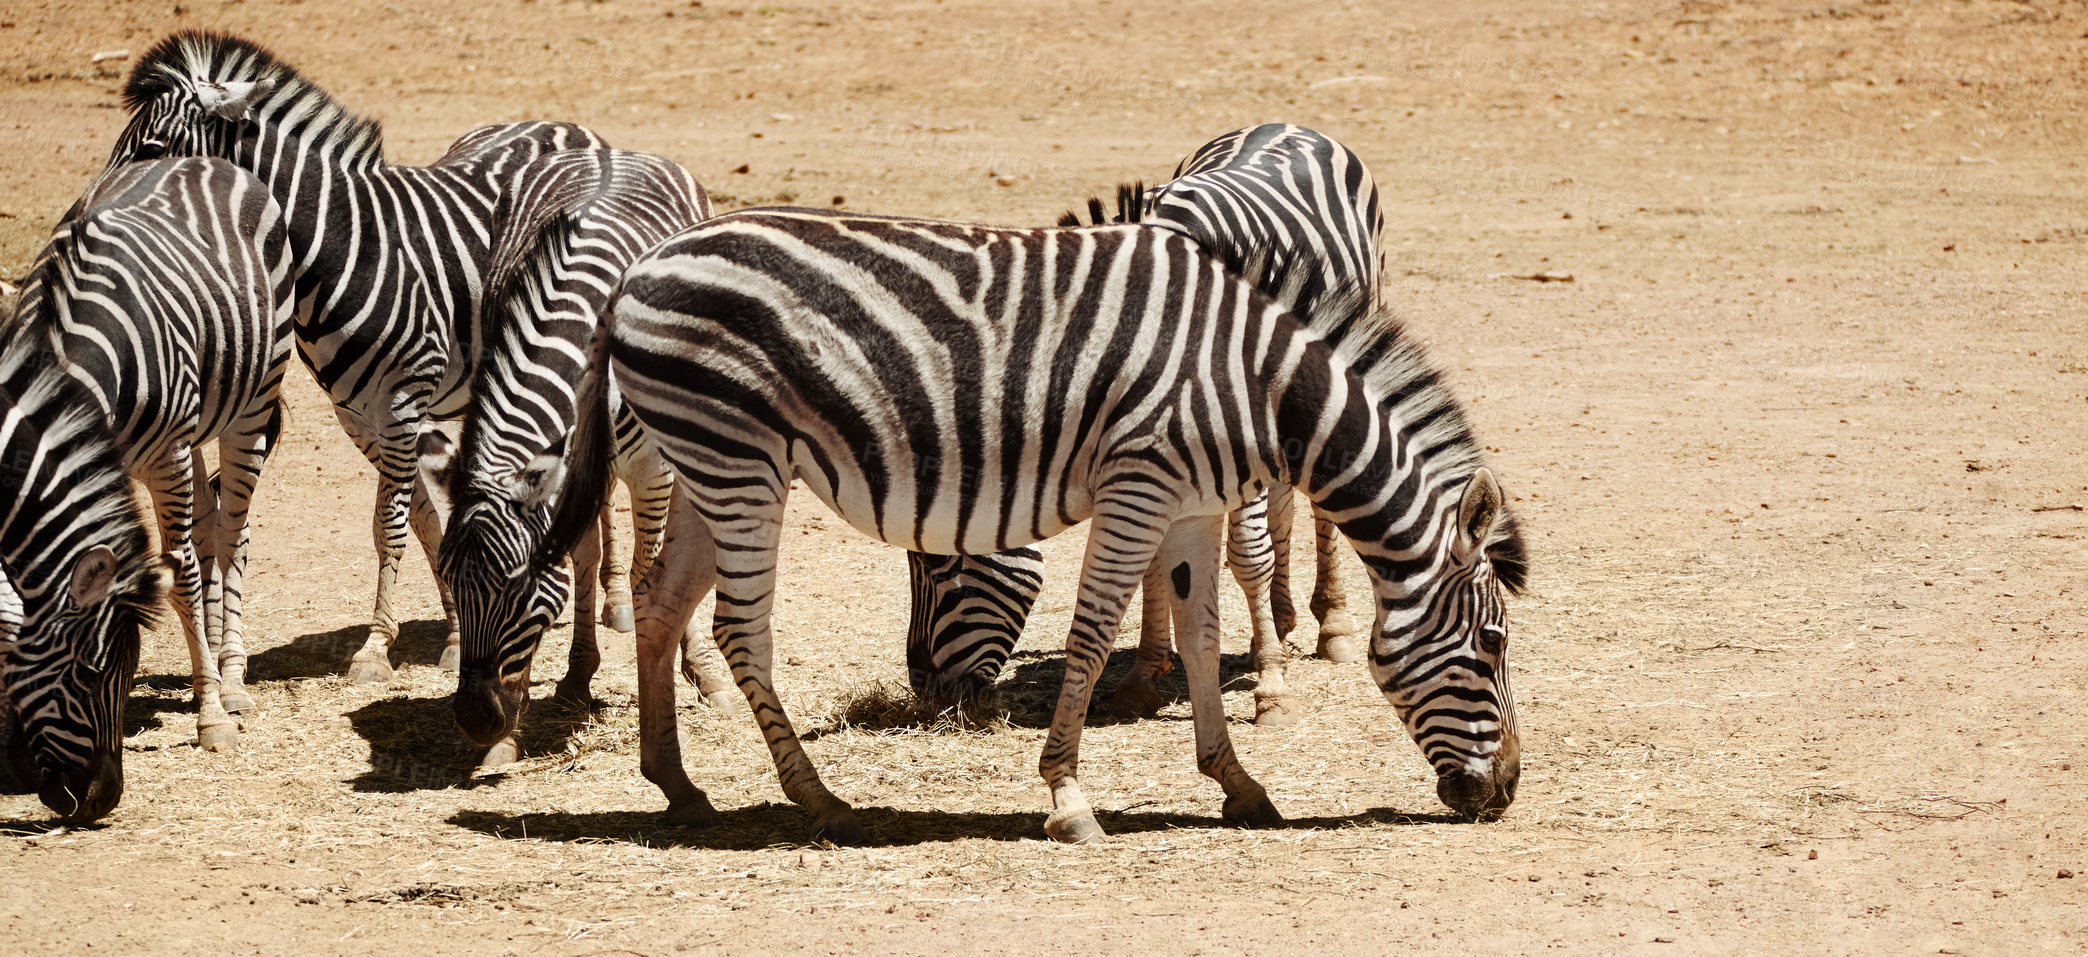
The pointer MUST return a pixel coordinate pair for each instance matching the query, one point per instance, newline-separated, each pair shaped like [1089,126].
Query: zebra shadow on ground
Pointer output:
[325,653]
[1025,697]
[415,745]
[765,826]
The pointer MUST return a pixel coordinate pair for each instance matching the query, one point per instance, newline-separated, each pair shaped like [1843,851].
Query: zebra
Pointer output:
[1308,207]
[392,262]
[168,299]
[78,583]
[606,207]
[959,389]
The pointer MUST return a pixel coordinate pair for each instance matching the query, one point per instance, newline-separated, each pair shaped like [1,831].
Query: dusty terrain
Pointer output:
[1797,449]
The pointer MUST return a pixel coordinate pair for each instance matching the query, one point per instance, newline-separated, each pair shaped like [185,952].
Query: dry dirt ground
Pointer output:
[1796,449]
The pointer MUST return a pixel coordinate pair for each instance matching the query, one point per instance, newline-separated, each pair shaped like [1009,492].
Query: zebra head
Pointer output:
[196,93]
[66,661]
[504,599]
[1439,650]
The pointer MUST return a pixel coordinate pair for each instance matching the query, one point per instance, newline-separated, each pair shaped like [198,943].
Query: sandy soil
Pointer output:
[1797,449]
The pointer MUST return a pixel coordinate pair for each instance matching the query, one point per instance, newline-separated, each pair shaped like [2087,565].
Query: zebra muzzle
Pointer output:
[487,706]
[85,794]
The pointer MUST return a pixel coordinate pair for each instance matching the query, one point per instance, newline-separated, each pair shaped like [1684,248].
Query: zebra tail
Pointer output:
[585,483]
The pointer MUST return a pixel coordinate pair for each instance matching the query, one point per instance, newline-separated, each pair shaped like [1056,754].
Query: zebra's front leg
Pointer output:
[172,485]
[585,657]
[241,457]
[1191,554]
[1138,695]
[1329,601]
[371,664]
[1122,543]
[748,531]
[667,595]
[1248,553]
[645,473]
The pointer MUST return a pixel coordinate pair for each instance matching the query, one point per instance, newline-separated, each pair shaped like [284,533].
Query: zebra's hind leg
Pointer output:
[667,594]
[1122,542]
[748,530]
[1283,609]
[241,456]
[612,575]
[172,485]
[1248,552]
[1329,600]
[1191,555]
[1138,695]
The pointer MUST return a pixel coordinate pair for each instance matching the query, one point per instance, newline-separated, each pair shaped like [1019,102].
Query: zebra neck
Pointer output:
[1392,496]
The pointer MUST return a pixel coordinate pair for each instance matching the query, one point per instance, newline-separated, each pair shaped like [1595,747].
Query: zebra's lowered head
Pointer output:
[77,583]
[505,601]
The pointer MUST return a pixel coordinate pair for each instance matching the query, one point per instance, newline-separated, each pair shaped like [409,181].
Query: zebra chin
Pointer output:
[488,708]
[84,794]
[1478,796]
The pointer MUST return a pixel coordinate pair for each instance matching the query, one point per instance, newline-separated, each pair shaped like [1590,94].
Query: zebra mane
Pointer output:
[184,58]
[507,302]
[1131,208]
[1372,342]
[77,480]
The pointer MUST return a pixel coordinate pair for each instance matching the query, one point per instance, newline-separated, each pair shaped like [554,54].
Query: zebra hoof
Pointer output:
[1136,698]
[218,737]
[695,812]
[452,658]
[1252,810]
[620,618]
[236,701]
[1276,712]
[573,692]
[839,827]
[501,754]
[1340,649]
[366,671]
[725,701]
[1074,827]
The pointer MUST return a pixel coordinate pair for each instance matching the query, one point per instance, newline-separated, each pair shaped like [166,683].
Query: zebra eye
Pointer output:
[149,150]
[1492,638]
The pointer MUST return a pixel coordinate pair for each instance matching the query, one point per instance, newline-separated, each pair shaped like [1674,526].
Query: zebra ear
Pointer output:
[92,575]
[1477,513]
[540,479]
[233,100]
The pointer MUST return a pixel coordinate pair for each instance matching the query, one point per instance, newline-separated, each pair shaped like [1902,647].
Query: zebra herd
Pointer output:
[504,331]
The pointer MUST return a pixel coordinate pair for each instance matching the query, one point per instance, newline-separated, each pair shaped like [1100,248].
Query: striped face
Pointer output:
[504,603]
[67,657]
[1441,657]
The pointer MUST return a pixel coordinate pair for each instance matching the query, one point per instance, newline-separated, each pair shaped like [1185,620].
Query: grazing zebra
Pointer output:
[168,300]
[547,297]
[959,389]
[78,581]
[1306,205]
[392,261]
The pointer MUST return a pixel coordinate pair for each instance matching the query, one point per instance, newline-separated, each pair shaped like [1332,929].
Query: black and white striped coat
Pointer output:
[959,389]
[1296,203]
[392,262]
[168,300]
